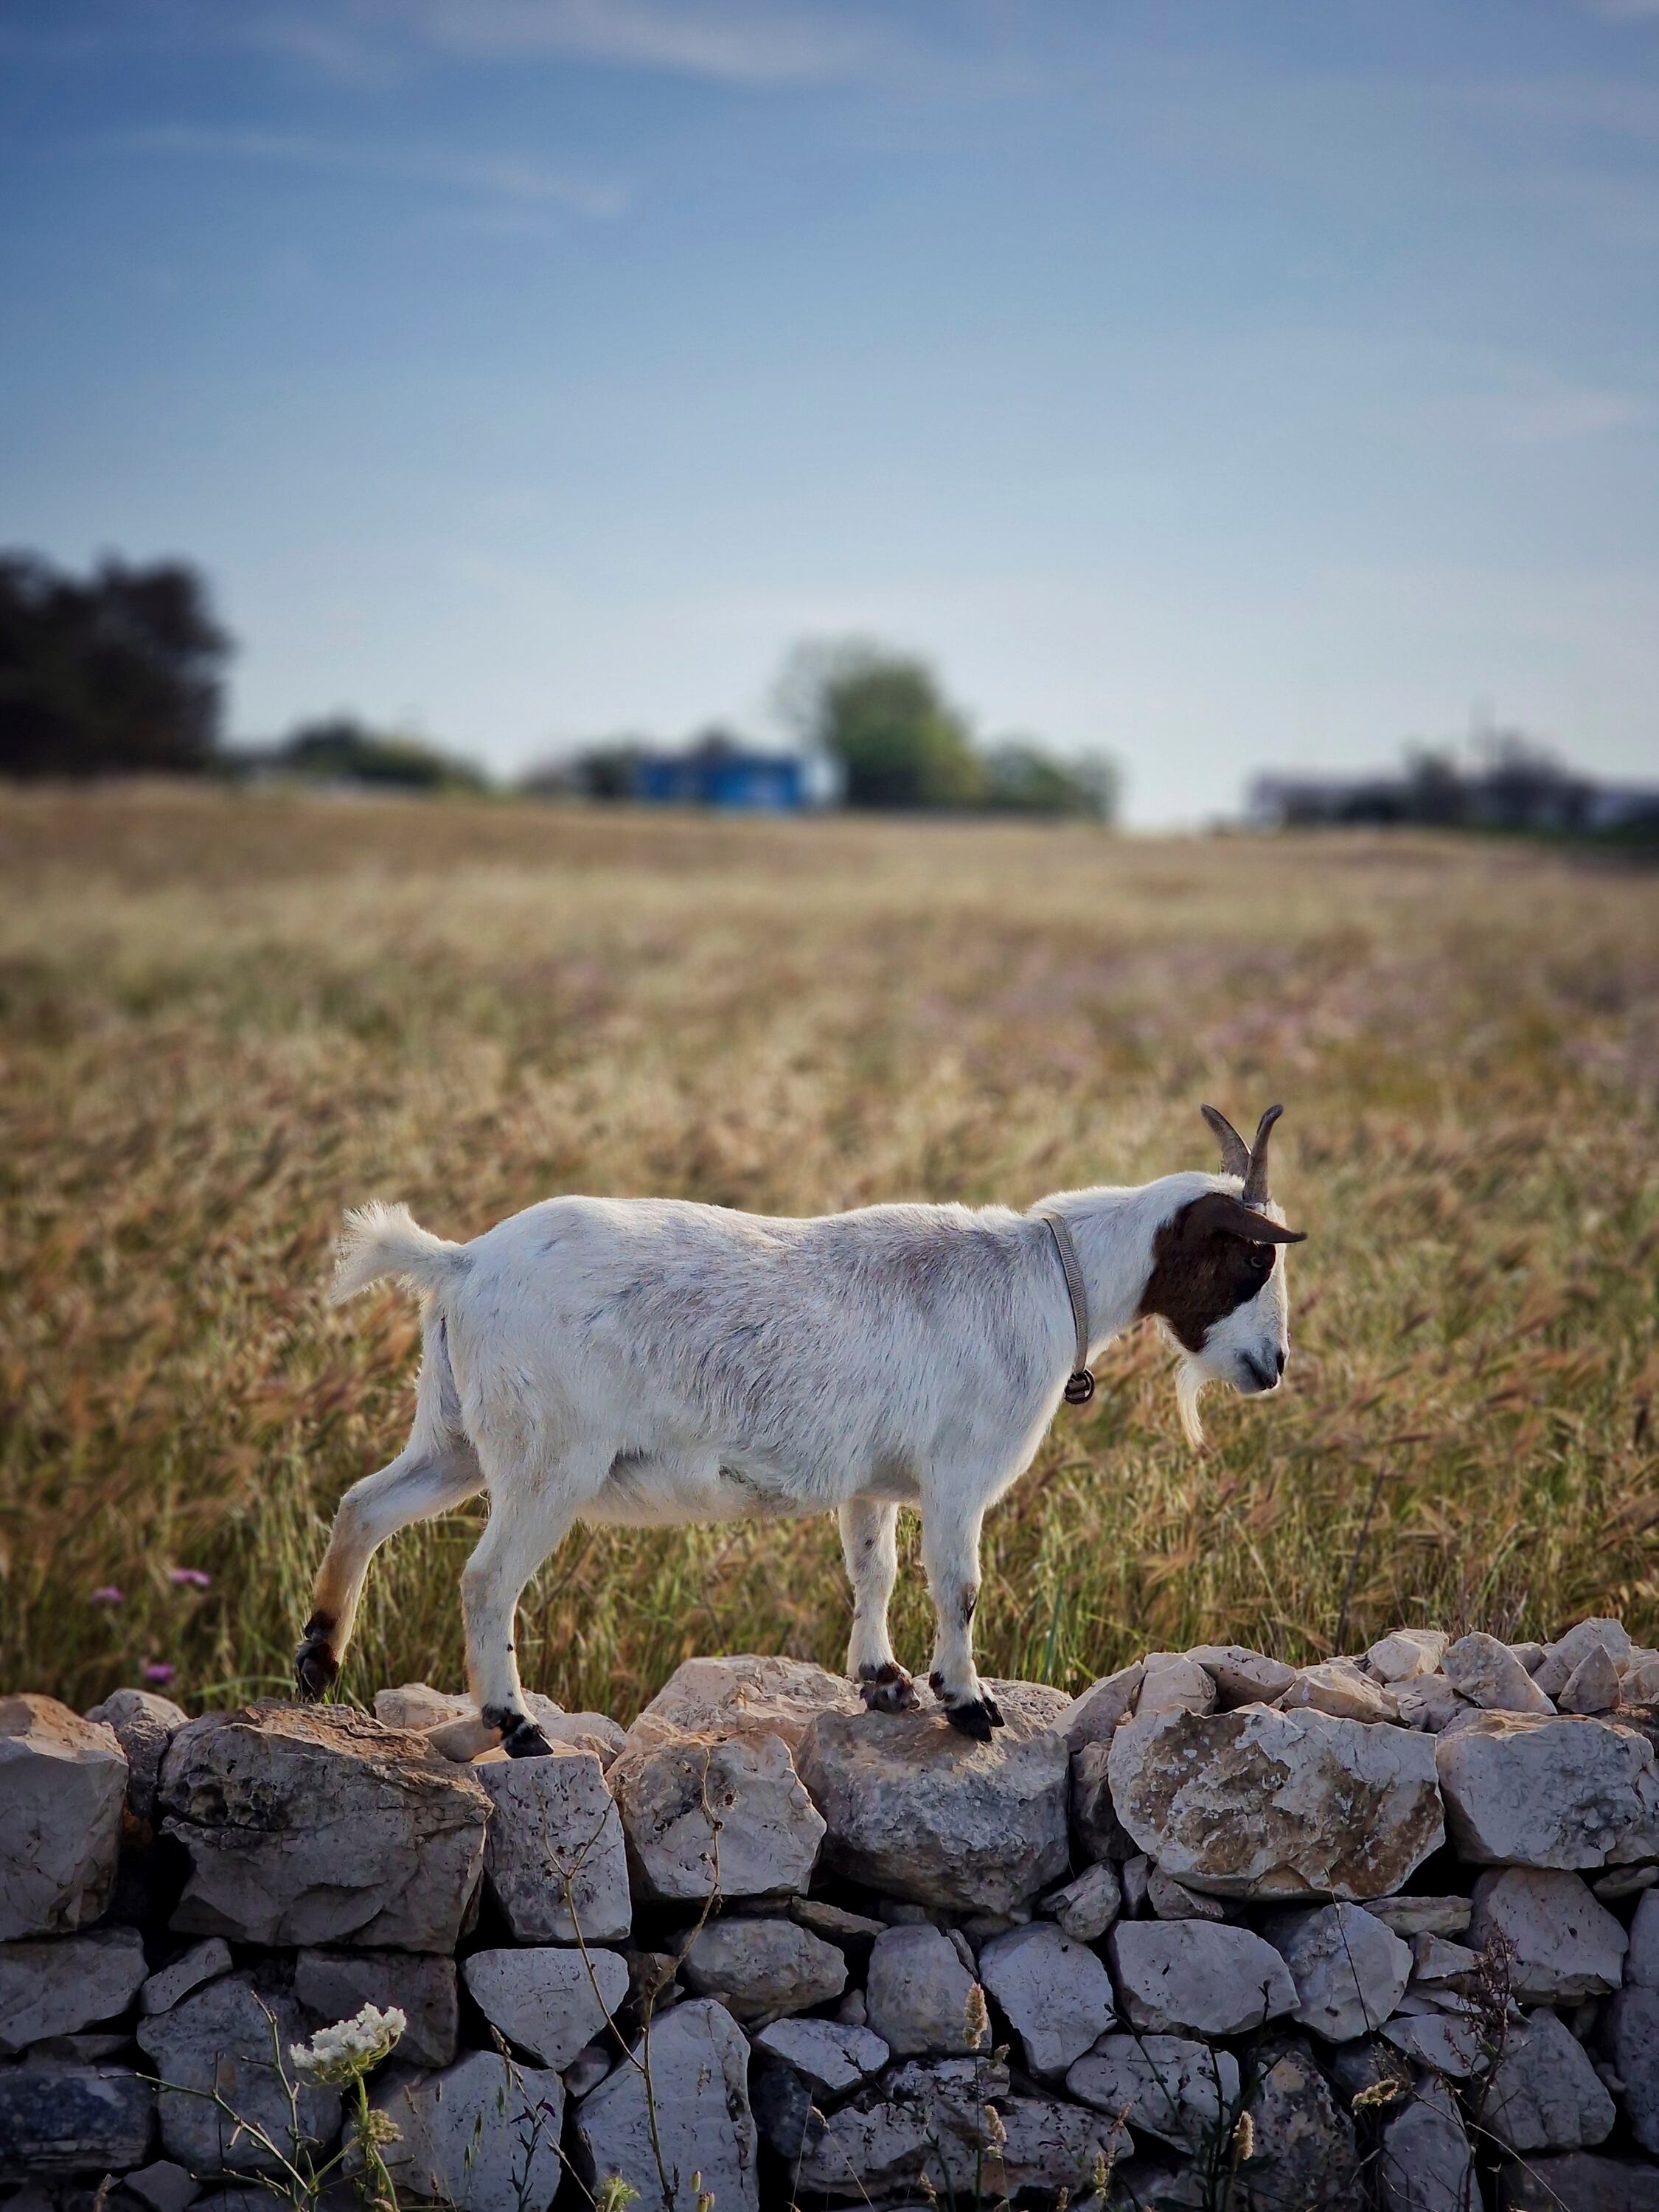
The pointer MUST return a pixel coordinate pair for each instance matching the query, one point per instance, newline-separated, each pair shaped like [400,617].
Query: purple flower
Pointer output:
[157,1670]
[188,1578]
[107,1594]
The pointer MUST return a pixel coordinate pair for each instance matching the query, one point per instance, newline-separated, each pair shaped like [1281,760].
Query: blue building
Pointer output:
[722,771]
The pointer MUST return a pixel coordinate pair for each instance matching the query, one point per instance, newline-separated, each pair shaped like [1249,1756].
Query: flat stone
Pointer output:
[202,1962]
[1435,1960]
[1562,1657]
[854,1932]
[1100,1834]
[482,2133]
[63,2119]
[1086,1907]
[221,2037]
[1633,2039]
[670,1793]
[1405,1655]
[916,1810]
[916,1994]
[550,2003]
[1429,1703]
[1593,1685]
[1425,2163]
[1421,1916]
[1642,1961]
[588,2070]
[1543,2093]
[833,2057]
[1303,2142]
[751,1693]
[1187,1976]
[1350,1971]
[1624,1882]
[1171,1900]
[1174,1683]
[1563,1944]
[63,1785]
[1341,1691]
[145,1726]
[1446,2043]
[1092,1717]
[164,2186]
[1522,1790]
[1137,1874]
[1243,1677]
[311,1825]
[1640,1685]
[1166,2086]
[1488,1674]
[1264,1803]
[1055,1993]
[764,1968]
[54,1985]
[1579,2182]
[337,1985]
[554,1860]
[699,2067]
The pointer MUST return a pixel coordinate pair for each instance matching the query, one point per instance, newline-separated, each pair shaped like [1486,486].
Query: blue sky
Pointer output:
[1224,386]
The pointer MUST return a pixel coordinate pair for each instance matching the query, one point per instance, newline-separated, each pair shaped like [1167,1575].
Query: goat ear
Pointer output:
[1219,1211]
[1235,1152]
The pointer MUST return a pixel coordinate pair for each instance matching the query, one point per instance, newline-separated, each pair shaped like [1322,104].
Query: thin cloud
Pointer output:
[509,177]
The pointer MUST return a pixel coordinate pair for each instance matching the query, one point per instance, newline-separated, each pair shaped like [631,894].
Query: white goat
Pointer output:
[645,1361]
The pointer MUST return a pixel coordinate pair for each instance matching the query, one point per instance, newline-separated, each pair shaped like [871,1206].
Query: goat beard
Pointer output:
[1190,1381]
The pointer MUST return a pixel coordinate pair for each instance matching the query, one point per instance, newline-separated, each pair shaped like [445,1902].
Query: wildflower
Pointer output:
[995,2133]
[107,1594]
[157,1671]
[188,1578]
[975,2017]
[616,2195]
[349,2050]
[1384,2091]
[1244,2139]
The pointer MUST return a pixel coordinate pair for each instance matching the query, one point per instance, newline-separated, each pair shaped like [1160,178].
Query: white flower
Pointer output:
[351,2047]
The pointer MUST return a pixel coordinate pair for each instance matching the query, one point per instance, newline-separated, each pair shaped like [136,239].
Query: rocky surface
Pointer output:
[62,1784]
[763,1969]
[52,1988]
[226,2038]
[707,1811]
[482,2133]
[704,2127]
[554,1860]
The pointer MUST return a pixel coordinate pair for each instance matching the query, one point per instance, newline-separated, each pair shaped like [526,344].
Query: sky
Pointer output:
[1222,387]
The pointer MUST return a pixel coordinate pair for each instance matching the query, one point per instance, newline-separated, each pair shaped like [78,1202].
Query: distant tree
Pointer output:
[883,718]
[1021,777]
[607,770]
[344,750]
[122,671]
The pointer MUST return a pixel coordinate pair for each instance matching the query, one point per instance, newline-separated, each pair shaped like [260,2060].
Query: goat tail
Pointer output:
[380,1240]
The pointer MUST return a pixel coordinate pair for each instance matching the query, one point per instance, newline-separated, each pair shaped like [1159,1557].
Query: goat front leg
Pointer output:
[530,1512]
[950,1553]
[869,1543]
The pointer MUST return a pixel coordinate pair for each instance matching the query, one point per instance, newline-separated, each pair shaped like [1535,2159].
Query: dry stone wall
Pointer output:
[1383,1931]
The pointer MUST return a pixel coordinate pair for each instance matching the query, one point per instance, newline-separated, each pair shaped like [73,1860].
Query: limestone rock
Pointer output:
[1435,1960]
[1350,1971]
[1579,2182]
[1641,1963]
[64,2119]
[1303,2142]
[221,2037]
[1100,1834]
[202,1962]
[917,1810]
[916,1993]
[749,1694]
[832,2056]
[1426,2165]
[1563,1657]
[699,2066]
[145,1726]
[670,1793]
[1086,1907]
[1633,2040]
[163,2187]
[1488,1674]
[555,1859]
[1405,1655]
[56,1985]
[1171,1900]
[451,1723]
[1339,1690]
[482,2134]
[1429,1702]
[1422,1915]
[1243,1677]
[1092,1717]
[1056,1994]
[1593,1685]
[550,2003]
[1166,2086]
[764,1968]
[337,1984]
[1189,1978]
[62,1784]
[1522,1790]
[1264,1803]
[588,2070]
[312,1823]
[854,1932]
[1564,1945]
[1448,2043]
[1544,2095]
[1174,1683]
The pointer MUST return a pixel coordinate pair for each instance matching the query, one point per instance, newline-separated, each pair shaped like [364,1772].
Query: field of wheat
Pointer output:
[224,1016]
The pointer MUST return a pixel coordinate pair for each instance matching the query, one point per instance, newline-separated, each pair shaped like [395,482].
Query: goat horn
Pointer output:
[1235,1152]
[1256,1182]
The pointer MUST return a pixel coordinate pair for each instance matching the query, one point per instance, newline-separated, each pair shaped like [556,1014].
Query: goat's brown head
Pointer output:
[1218,1278]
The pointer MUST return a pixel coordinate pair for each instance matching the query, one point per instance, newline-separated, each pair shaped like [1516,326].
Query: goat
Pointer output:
[650,1361]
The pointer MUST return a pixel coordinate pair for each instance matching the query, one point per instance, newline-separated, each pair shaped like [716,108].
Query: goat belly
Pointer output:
[646,1493]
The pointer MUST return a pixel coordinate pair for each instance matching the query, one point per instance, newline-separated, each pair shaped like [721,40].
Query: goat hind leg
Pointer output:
[869,1543]
[950,1553]
[525,1524]
[420,1482]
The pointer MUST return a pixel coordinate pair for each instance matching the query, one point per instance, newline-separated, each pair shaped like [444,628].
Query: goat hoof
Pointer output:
[315,1668]
[888,1689]
[522,1738]
[976,1719]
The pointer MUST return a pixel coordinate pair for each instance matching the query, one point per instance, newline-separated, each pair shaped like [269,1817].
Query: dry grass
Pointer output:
[224,1018]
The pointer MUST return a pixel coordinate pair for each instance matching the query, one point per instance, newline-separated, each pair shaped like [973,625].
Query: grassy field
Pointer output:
[224,1017]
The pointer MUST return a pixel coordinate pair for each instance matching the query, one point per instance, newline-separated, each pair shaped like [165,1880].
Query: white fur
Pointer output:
[651,1361]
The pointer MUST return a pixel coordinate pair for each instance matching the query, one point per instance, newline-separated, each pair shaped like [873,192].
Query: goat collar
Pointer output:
[1079,1384]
